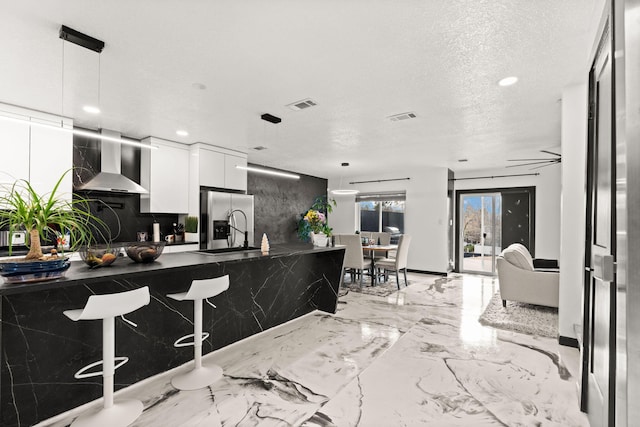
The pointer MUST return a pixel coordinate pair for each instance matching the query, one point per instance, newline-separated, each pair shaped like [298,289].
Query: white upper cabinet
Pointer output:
[212,168]
[51,156]
[39,152]
[234,178]
[164,172]
[14,140]
[217,168]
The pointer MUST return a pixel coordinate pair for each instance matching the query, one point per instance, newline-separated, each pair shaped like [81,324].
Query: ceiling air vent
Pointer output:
[403,116]
[260,148]
[301,105]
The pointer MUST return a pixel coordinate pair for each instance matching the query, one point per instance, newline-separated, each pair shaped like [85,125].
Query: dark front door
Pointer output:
[600,296]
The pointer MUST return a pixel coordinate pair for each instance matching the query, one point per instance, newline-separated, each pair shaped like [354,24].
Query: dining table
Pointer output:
[377,249]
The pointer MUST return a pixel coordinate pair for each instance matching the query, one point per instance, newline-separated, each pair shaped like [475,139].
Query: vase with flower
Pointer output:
[313,225]
[320,231]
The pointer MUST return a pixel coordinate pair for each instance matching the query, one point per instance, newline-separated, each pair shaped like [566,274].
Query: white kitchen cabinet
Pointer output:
[39,152]
[51,155]
[164,172]
[234,178]
[212,168]
[14,140]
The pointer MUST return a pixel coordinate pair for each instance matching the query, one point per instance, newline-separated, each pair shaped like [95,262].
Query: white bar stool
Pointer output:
[106,307]
[200,376]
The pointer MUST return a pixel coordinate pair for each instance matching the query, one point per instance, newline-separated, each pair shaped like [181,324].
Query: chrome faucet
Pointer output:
[232,224]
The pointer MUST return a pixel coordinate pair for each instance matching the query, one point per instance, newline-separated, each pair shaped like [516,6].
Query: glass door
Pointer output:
[480,232]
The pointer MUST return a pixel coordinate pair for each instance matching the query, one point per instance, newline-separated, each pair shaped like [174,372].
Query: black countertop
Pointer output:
[80,273]
[23,250]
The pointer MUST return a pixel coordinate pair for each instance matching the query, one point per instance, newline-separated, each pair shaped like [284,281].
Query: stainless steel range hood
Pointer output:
[110,178]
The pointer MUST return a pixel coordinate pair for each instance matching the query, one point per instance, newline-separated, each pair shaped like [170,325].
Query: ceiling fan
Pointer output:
[538,163]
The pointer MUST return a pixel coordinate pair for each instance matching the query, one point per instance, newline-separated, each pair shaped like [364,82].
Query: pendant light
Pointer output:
[275,120]
[344,191]
[70,35]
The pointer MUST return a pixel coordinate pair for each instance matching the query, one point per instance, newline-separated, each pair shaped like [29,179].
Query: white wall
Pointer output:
[574,137]
[547,199]
[425,216]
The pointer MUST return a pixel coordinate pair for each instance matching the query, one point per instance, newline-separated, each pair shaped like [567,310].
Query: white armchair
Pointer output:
[520,281]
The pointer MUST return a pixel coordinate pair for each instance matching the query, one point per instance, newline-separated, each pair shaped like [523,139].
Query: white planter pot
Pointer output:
[319,239]
[190,237]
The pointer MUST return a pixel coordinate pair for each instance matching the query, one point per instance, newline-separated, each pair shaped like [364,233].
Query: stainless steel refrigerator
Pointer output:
[225,217]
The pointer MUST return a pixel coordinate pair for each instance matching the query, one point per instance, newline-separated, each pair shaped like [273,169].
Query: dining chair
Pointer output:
[353,257]
[381,238]
[367,234]
[399,262]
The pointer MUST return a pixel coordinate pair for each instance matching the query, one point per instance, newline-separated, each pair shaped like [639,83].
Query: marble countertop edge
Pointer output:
[79,273]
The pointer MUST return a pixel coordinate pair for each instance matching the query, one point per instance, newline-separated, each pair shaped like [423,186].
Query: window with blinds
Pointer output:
[382,211]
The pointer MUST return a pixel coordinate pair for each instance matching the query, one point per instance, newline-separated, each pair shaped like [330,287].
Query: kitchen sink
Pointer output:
[229,250]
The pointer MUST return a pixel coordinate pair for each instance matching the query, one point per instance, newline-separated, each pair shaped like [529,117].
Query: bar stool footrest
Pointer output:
[179,342]
[81,373]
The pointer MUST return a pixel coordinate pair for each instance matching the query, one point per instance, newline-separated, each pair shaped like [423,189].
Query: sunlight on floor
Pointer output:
[476,293]
[369,333]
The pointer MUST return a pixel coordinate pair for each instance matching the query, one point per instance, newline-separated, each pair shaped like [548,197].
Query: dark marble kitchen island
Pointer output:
[42,349]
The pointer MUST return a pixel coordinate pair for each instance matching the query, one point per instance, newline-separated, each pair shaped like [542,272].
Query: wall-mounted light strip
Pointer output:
[344,192]
[80,132]
[268,172]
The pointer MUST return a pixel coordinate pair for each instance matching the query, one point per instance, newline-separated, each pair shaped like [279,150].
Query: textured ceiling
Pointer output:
[361,61]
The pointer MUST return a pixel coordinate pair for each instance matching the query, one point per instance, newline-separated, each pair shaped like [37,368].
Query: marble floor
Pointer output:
[417,357]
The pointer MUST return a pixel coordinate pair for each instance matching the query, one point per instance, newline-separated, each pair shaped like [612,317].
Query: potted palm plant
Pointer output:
[21,207]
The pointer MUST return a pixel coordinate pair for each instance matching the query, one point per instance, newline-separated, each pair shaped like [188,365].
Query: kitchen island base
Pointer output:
[41,348]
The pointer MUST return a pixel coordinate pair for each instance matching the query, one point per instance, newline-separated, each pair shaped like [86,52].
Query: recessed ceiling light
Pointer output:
[182,133]
[508,81]
[91,109]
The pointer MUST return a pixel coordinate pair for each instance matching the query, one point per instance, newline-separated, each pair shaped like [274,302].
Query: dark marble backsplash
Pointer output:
[121,212]
[278,203]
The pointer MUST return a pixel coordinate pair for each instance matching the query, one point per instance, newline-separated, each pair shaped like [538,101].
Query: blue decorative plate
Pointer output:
[36,276]
[32,266]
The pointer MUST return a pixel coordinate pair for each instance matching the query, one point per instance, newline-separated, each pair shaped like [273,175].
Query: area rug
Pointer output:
[380,289]
[520,317]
